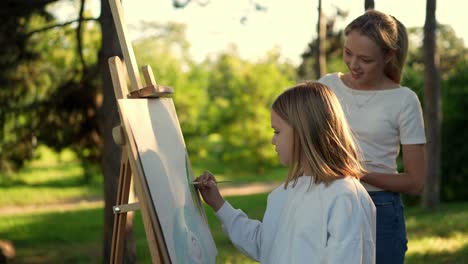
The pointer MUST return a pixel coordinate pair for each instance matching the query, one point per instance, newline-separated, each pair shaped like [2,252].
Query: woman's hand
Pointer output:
[209,190]
[411,181]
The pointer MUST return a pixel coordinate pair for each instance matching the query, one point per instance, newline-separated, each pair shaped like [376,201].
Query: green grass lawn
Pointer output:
[440,236]
[51,178]
[56,178]
[75,236]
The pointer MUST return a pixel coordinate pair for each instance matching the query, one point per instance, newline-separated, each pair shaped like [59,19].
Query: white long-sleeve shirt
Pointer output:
[308,223]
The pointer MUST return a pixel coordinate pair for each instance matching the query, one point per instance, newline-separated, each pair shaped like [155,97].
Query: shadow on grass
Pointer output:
[64,237]
[443,222]
[55,237]
[453,257]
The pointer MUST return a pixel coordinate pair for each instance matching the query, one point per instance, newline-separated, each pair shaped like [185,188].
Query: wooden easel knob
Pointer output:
[118,135]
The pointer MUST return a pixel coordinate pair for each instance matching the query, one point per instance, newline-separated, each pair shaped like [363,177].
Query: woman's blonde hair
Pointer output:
[322,140]
[388,33]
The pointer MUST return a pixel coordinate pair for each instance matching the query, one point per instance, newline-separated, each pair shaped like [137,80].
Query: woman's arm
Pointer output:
[411,181]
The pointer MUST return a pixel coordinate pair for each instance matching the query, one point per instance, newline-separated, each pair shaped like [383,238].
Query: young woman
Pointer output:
[383,115]
[321,214]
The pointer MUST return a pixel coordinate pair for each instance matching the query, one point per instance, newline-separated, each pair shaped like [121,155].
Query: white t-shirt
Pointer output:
[381,120]
[308,223]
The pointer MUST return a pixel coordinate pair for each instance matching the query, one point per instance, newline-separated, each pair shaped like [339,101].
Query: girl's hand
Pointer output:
[209,190]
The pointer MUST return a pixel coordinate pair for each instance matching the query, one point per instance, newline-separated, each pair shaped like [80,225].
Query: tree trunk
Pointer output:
[321,61]
[432,109]
[108,119]
[369,4]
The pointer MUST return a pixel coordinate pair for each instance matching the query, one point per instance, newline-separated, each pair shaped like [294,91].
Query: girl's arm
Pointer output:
[411,181]
[209,190]
[244,233]
[351,230]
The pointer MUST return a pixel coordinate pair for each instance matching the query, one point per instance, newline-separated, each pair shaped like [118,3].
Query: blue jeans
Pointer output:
[391,230]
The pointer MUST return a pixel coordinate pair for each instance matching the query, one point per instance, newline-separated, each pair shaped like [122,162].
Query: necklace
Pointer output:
[367,98]
[355,93]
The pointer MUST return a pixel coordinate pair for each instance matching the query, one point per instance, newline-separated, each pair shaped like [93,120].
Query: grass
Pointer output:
[56,178]
[55,237]
[51,178]
[75,236]
[440,236]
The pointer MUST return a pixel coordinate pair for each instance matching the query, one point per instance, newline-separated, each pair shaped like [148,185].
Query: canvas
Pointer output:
[166,166]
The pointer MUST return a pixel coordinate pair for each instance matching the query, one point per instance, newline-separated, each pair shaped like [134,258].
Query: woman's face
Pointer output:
[364,59]
[282,138]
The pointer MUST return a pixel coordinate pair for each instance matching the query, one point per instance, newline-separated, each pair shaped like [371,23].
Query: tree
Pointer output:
[321,63]
[333,49]
[39,76]
[240,95]
[454,149]
[38,97]
[369,4]
[108,119]
[166,49]
[432,109]
[62,95]
[19,86]
[452,67]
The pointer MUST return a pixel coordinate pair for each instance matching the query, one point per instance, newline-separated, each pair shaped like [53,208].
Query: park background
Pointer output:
[227,62]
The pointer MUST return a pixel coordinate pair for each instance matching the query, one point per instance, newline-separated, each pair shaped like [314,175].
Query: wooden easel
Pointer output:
[129,166]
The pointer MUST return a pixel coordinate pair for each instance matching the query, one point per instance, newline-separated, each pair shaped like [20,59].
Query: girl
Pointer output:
[382,114]
[321,214]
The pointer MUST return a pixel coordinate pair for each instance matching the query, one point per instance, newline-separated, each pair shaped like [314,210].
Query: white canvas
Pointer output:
[166,167]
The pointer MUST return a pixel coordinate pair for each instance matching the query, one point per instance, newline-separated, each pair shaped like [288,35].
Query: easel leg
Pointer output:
[151,236]
[120,220]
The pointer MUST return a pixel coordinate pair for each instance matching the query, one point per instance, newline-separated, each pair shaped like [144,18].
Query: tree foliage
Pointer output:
[223,104]
[454,175]
[453,67]
[240,95]
[41,81]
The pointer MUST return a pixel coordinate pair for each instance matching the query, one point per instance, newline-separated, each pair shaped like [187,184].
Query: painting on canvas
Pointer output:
[166,166]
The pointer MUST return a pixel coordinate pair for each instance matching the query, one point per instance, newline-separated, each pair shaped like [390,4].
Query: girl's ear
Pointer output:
[389,55]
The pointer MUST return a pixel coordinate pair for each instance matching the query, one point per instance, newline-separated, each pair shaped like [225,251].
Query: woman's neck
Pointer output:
[382,83]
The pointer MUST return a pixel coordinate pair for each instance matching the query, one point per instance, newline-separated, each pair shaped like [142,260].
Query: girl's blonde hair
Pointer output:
[322,139]
[388,33]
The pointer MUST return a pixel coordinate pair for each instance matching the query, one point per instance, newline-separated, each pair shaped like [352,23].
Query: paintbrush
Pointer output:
[196,183]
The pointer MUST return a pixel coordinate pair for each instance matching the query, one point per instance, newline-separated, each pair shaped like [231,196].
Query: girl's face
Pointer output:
[282,138]
[365,60]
